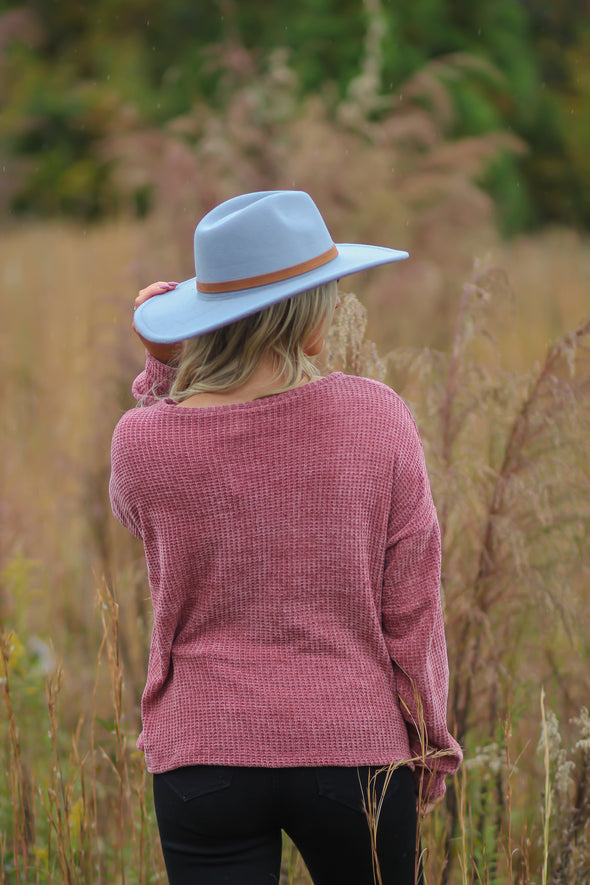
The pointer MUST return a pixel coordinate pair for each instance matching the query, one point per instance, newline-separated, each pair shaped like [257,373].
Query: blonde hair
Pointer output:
[226,358]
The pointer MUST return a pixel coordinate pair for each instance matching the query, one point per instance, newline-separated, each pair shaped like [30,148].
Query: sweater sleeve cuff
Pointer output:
[155,381]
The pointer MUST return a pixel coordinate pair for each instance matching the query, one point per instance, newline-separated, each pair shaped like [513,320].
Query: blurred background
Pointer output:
[83,84]
[449,129]
[458,131]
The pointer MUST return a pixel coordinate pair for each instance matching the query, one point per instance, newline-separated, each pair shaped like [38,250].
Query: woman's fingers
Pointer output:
[153,289]
[428,806]
[165,353]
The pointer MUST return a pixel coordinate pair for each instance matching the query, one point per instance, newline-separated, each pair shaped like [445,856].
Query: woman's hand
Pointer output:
[165,353]
[427,807]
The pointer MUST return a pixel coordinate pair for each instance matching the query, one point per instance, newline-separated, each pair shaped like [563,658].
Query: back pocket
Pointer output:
[346,786]
[194,781]
[360,788]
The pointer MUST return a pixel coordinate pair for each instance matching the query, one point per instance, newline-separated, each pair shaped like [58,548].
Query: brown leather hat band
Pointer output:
[263,279]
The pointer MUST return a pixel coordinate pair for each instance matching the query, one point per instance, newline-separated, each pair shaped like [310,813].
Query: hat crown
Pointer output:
[258,234]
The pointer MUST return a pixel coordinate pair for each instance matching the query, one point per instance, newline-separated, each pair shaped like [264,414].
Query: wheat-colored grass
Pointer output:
[507,447]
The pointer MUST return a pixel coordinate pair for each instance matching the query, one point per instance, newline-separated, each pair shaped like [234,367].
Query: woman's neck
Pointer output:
[263,382]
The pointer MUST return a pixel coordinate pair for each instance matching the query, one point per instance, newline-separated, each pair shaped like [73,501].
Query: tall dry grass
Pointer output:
[504,415]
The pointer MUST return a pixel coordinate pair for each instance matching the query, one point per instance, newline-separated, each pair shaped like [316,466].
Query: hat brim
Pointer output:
[184,312]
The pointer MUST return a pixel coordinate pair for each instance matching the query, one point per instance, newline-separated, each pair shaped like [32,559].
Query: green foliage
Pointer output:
[70,73]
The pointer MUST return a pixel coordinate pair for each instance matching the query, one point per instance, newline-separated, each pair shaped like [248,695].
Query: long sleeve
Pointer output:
[151,384]
[155,381]
[122,483]
[413,622]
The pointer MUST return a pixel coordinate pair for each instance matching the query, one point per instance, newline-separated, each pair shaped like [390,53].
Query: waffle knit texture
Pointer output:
[293,555]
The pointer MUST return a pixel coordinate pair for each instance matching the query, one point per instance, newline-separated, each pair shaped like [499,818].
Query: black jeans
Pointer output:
[223,824]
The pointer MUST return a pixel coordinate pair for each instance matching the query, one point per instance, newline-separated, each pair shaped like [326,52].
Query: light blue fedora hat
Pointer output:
[250,252]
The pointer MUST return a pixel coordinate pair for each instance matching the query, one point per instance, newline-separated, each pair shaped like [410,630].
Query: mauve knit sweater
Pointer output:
[293,555]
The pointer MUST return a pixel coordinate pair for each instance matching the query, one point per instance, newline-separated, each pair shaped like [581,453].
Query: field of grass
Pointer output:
[494,362]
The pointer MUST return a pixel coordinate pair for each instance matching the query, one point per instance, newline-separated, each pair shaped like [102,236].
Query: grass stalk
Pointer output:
[547,794]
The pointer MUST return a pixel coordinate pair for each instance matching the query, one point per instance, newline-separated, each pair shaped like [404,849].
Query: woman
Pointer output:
[298,669]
